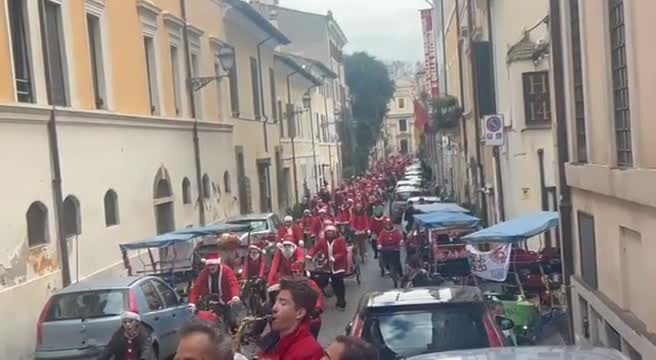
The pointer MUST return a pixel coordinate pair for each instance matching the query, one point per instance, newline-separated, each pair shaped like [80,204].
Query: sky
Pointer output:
[388,29]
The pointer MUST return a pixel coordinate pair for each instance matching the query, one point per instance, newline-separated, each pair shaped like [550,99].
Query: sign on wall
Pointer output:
[493,126]
[430,53]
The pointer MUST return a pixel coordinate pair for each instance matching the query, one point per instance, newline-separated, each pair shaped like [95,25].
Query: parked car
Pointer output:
[400,199]
[409,322]
[527,353]
[261,224]
[78,321]
[427,199]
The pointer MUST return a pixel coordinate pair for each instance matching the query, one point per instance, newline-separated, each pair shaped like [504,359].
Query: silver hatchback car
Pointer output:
[78,321]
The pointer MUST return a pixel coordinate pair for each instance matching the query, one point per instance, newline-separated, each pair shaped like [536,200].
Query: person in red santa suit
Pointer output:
[360,227]
[333,247]
[389,245]
[289,228]
[281,266]
[299,273]
[376,225]
[254,266]
[216,280]
[318,226]
[306,227]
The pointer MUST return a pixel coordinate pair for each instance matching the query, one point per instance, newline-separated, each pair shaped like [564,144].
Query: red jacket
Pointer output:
[294,230]
[376,225]
[390,240]
[299,345]
[338,247]
[229,286]
[253,269]
[318,306]
[360,222]
[306,223]
[281,266]
[343,215]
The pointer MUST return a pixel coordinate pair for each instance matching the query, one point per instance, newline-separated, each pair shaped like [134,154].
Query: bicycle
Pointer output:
[253,295]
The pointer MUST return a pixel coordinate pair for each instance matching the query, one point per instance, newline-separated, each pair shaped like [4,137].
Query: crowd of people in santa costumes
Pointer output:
[330,222]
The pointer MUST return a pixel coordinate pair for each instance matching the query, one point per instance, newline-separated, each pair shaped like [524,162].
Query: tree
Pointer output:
[371,91]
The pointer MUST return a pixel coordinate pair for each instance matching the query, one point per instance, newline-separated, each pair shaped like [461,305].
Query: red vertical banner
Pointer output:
[430,55]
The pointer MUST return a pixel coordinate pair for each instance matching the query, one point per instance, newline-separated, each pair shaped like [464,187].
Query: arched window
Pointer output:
[226,182]
[186,191]
[111,208]
[163,189]
[71,216]
[207,187]
[37,224]
[163,200]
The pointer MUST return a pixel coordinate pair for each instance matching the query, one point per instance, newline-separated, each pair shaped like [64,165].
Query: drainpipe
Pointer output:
[465,140]
[502,206]
[262,109]
[293,133]
[53,142]
[477,123]
[565,205]
[330,140]
[314,149]
[192,105]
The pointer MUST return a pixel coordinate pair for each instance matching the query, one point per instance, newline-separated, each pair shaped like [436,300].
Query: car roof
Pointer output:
[102,283]
[422,296]
[261,216]
[527,353]
[426,198]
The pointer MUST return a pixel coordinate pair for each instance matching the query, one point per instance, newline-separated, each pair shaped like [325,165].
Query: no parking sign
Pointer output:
[493,130]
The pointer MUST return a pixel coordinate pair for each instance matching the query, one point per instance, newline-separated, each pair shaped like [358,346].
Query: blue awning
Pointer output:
[159,241]
[517,229]
[445,207]
[215,229]
[437,220]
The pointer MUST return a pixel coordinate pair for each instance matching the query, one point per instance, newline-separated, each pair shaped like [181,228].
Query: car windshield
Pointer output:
[256,225]
[404,196]
[87,304]
[445,328]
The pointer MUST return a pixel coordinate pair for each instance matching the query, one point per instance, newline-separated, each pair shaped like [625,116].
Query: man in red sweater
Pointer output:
[290,337]
[333,247]
[389,244]
[318,226]
[255,265]
[298,272]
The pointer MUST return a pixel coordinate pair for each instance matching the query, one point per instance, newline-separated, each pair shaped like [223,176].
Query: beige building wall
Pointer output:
[401,111]
[614,207]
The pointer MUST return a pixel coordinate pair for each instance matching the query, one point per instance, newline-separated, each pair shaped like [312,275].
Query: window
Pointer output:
[151,72]
[234,89]
[169,296]
[97,65]
[207,187]
[195,72]
[255,84]
[537,106]
[403,125]
[71,216]
[55,57]
[89,304]
[588,249]
[21,50]
[175,76]
[272,84]
[186,191]
[111,208]
[226,182]
[401,103]
[404,146]
[152,296]
[579,101]
[37,224]
[620,83]
[613,338]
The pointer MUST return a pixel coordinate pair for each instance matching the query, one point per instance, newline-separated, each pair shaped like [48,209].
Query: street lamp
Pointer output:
[226,55]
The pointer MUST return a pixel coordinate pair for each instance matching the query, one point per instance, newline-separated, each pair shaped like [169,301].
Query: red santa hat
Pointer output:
[211,259]
[288,240]
[255,247]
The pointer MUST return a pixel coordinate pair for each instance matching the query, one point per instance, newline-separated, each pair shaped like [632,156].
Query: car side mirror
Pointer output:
[505,323]
[348,328]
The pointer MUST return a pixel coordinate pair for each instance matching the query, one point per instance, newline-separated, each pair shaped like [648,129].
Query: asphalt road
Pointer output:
[335,320]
